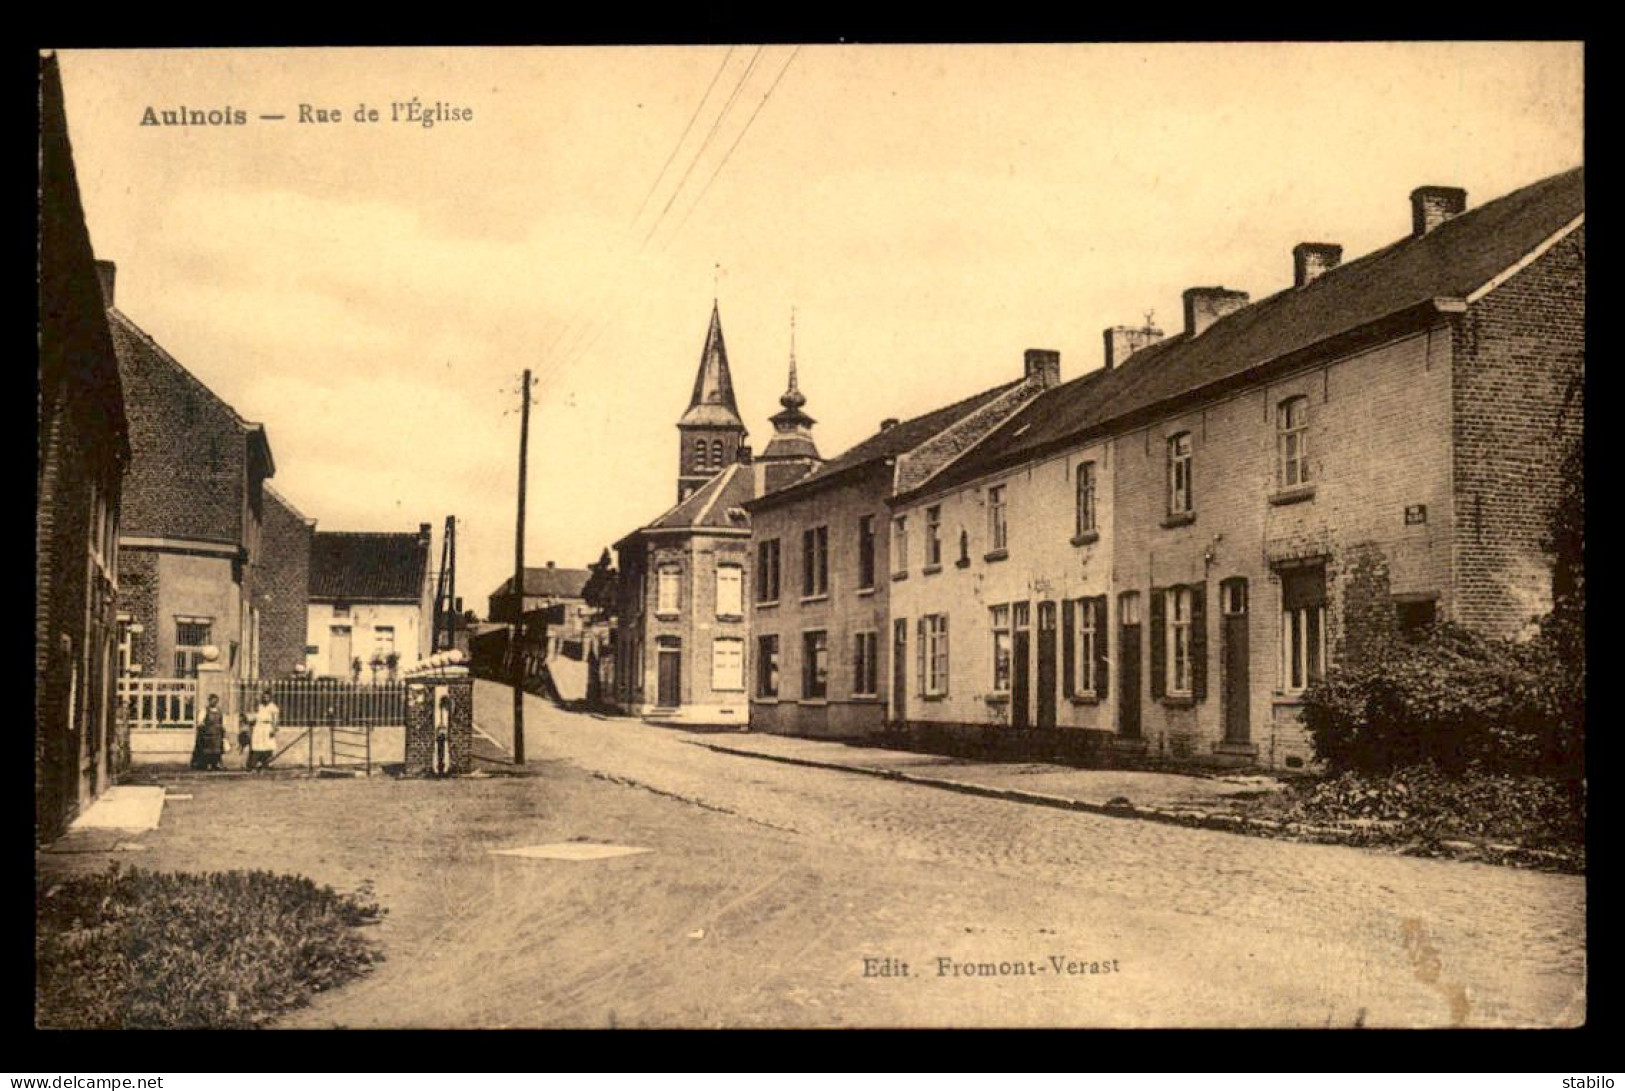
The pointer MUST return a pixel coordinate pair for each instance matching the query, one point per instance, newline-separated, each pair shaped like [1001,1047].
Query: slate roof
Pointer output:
[1449,262]
[716,504]
[361,567]
[891,442]
[713,399]
[557,583]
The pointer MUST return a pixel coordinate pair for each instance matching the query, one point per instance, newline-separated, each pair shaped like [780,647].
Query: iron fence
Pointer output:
[325,702]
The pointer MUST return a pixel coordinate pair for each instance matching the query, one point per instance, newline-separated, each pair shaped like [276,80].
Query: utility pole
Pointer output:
[519,585]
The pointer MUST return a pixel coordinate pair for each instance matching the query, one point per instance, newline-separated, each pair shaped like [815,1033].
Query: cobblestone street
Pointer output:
[1359,929]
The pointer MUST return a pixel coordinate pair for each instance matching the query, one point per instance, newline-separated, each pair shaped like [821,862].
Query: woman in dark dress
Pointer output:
[211,738]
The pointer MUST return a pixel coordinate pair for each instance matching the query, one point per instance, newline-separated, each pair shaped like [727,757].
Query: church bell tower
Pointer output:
[711,431]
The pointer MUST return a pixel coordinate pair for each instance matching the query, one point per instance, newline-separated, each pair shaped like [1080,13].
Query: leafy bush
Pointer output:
[1453,698]
[142,949]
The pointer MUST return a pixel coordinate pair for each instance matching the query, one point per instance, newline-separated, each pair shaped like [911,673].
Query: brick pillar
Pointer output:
[440,713]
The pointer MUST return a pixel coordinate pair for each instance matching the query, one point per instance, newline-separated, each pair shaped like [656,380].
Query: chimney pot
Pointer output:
[106,272]
[1205,306]
[889,422]
[1314,259]
[1433,205]
[1124,341]
[423,531]
[550,564]
[1044,366]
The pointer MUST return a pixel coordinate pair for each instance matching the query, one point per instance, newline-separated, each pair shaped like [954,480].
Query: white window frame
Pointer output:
[998,527]
[196,650]
[1178,664]
[728,664]
[933,536]
[1298,672]
[899,545]
[1084,658]
[1002,647]
[668,577]
[1084,499]
[1181,500]
[1292,442]
[811,674]
[936,655]
[730,591]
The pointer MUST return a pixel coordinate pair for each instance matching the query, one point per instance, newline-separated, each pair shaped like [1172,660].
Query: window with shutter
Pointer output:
[1069,611]
[1198,609]
[1102,658]
[1159,651]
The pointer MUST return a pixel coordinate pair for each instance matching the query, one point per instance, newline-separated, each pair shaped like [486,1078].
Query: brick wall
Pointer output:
[281,587]
[188,451]
[138,597]
[1517,352]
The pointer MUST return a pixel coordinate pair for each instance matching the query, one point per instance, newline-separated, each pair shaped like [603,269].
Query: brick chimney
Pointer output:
[1205,306]
[742,454]
[1312,259]
[550,564]
[1044,367]
[423,532]
[1124,341]
[106,272]
[1433,205]
[889,422]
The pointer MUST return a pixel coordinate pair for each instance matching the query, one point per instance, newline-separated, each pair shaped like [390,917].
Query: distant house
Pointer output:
[544,587]
[371,597]
[84,449]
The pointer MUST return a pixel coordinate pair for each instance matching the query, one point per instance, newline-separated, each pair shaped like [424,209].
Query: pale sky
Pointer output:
[371,292]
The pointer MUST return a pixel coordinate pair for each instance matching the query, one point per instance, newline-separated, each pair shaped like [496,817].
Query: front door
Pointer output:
[1128,661]
[338,651]
[1233,660]
[1046,664]
[1020,698]
[670,692]
[899,671]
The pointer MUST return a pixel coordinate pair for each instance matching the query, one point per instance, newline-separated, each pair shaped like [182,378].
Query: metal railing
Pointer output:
[326,702]
[159,702]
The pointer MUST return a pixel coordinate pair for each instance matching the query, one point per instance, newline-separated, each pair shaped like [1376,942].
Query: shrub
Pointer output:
[141,949]
[1452,698]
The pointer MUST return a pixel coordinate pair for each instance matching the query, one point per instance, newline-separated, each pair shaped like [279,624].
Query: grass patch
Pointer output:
[1420,808]
[129,948]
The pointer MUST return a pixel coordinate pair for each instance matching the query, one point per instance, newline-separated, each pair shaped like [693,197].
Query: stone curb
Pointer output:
[1187,817]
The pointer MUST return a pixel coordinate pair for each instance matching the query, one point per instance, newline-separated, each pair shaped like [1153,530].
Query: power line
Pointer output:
[678,146]
[734,145]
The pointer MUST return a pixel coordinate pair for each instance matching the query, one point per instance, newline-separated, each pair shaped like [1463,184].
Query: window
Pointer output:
[866,553]
[767,570]
[716,454]
[933,663]
[1179,642]
[1179,474]
[383,639]
[1303,627]
[341,609]
[999,622]
[699,454]
[1128,608]
[1292,443]
[669,586]
[1084,519]
[815,561]
[997,529]
[730,591]
[192,635]
[1087,673]
[767,666]
[814,665]
[865,664]
[899,545]
[933,537]
[727,663]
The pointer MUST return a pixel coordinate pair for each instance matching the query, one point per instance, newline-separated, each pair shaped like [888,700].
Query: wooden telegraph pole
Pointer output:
[519,585]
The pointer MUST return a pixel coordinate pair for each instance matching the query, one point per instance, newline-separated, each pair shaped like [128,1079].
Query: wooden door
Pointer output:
[1233,659]
[899,671]
[338,651]
[1046,664]
[670,692]
[1128,663]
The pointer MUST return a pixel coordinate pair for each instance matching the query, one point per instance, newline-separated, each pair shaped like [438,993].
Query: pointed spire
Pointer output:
[793,399]
[713,400]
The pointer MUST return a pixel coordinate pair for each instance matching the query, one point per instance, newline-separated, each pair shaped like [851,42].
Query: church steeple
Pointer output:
[791,454]
[711,429]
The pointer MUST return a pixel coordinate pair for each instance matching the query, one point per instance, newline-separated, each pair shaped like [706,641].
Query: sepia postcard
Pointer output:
[812,536]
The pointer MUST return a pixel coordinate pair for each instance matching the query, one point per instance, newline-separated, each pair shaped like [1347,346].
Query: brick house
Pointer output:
[194,506]
[681,622]
[1280,485]
[282,586]
[370,596]
[823,650]
[546,587]
[84,449]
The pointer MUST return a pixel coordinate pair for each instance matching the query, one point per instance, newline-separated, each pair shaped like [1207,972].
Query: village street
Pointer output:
[769,886]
